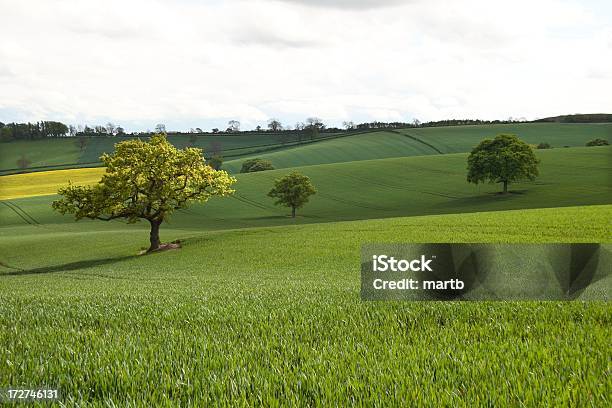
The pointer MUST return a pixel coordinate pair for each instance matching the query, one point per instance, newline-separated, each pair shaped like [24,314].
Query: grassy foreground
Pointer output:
[271,315]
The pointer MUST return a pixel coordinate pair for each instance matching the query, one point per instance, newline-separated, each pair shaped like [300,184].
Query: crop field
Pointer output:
[45,182]
[367,146]
[290,149]
[258,308]
[65,153]
[38,152]
[457,139]
[278,318]
[427,141]
[386,188]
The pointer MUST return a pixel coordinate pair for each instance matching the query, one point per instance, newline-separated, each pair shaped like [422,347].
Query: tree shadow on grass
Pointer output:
[481,201]
[72,266]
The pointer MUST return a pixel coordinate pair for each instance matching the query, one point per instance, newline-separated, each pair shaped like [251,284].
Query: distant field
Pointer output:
[65,153]
[45,182]
[457,139]
[264,315]
[367,189]
[376,145]
[39,153]
[427,141]
[284,151]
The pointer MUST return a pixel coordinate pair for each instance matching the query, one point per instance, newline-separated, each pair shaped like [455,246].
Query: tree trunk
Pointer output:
[505,186]
[292,212]
[154,235]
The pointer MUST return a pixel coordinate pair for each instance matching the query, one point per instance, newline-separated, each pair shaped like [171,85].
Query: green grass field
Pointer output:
[272,315]
[282,148]
[63,153]
[257,308]
[376,189]
[38,152]
[427,141]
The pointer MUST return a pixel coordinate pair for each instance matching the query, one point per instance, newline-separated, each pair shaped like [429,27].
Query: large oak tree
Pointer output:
[146,180]
[505,159]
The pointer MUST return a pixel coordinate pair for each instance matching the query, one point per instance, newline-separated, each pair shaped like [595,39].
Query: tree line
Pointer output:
[311,127]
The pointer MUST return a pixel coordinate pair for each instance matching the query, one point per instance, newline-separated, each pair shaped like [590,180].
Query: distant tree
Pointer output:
[598,142]
[348,125]
[23,162]
[544,145]
[215,130]
[198,130]
[299,126]
[160,128]
[274,125]
[505,159]
[110,128]
[216,161]
[101,130]
[253,165]
[233,126]
[416,122]
[314,125]
[145,180]
[6,134]
[120,131]
[258,128]
[72,130]
[81,142]
[293,191]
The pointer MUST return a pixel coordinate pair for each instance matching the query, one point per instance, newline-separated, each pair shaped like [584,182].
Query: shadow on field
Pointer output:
[66,267]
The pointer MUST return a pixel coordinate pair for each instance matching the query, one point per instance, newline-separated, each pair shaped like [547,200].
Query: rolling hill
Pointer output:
[256,304]
[289,149]
[426,141]
[381,188]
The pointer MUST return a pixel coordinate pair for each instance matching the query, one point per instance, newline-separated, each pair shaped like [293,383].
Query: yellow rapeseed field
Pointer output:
[45,182]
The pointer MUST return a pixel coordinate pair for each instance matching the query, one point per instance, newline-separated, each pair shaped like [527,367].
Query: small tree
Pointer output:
[233,126]
[293,190]
[274,125]
[145,180]
[253,165]
[598,142]
[505,159]
[544,145]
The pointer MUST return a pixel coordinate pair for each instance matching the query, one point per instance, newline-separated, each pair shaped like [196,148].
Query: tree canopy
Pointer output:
[257,164]
[505,159]
[145,180]
[293,190]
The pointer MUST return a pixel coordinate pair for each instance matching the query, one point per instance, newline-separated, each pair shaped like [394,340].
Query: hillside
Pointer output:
[58,153]
[279,309]
[579,118]
[289,149]
[358,190]
[427,141]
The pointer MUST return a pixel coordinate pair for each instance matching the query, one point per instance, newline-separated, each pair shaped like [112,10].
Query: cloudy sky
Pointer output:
[189,63]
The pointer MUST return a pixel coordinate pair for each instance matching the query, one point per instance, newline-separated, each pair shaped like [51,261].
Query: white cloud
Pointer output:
[190,63]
